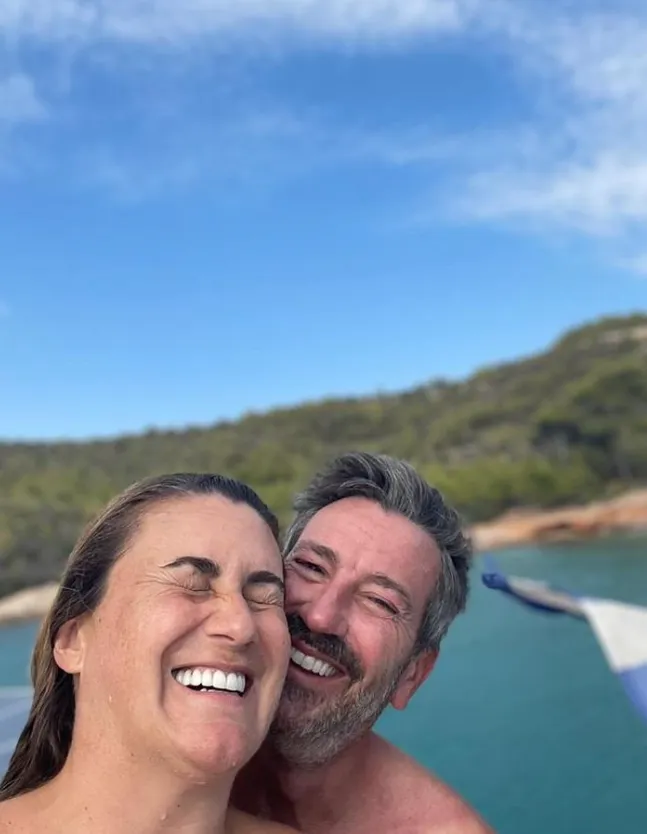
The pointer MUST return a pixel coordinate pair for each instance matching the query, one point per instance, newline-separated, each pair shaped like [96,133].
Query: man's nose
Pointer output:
[326,613]
[230,618]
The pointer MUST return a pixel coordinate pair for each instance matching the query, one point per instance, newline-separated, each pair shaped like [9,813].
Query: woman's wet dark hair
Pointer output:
[45,741]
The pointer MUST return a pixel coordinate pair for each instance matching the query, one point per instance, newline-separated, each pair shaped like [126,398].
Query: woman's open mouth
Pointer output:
[210,679]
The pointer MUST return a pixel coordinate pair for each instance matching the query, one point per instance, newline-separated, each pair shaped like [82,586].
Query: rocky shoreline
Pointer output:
[624,514]
[28,604]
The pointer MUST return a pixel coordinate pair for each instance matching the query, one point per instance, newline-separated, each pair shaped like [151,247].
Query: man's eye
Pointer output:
[384,605]
[310,566]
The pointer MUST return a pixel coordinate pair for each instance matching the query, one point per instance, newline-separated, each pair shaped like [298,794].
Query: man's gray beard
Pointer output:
[309,731]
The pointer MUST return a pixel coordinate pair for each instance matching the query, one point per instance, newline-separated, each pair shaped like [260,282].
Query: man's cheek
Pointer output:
[294,591]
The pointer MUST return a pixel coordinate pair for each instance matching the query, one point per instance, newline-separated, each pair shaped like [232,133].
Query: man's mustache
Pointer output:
[328,644]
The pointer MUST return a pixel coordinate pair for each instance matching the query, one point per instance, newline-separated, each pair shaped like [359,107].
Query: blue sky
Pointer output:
[212,207]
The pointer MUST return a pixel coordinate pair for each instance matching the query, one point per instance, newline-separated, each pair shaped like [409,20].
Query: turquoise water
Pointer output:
[521,714]
[15,650]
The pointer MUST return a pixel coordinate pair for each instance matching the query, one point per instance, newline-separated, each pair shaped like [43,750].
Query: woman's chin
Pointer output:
[223,754]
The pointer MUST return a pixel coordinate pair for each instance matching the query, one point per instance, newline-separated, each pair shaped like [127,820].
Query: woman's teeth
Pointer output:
[211,679]
[312,664]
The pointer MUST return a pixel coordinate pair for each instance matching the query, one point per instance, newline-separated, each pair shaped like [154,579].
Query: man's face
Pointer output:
[358,582]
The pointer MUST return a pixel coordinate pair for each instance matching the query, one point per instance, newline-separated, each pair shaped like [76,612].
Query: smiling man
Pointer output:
[377,569]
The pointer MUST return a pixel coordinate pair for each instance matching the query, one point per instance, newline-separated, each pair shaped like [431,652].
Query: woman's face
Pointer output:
[184,659]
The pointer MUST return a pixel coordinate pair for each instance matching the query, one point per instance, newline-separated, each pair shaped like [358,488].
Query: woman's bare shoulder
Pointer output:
[241,823]
[13,817]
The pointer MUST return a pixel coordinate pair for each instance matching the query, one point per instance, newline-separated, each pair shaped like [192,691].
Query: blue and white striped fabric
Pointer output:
[620,628]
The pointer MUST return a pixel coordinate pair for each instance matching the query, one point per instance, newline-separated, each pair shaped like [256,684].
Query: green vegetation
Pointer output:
[567,425]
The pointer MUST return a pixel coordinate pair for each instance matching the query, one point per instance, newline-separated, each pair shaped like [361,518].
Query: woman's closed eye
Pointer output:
[265,597]
[196,584]
[193,574]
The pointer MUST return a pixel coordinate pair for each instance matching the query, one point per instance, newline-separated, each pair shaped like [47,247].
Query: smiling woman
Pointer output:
[159,667]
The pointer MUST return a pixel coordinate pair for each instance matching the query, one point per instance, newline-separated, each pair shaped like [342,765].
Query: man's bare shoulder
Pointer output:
[239,822]
[417,799]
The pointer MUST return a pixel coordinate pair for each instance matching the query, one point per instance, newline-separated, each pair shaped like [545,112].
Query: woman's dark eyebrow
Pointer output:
[205,566]
[265,577]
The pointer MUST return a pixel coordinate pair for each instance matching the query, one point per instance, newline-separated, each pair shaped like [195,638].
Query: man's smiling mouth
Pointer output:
[316,666]
[311,664]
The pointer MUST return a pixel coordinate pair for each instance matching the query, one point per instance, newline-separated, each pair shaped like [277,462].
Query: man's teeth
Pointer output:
[312,664]
[205,679]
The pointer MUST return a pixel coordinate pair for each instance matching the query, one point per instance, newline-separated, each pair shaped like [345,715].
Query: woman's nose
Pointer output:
[232,619]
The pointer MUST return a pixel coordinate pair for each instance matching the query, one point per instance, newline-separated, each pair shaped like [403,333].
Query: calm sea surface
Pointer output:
[521,714]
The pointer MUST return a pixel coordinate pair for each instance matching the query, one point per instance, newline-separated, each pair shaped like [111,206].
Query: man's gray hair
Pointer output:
[397,487]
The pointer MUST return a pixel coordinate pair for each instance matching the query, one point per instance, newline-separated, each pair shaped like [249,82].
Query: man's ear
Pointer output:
[69,646]
[414,676]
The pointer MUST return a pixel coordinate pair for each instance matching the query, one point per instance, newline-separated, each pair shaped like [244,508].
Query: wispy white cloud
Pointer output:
[252,149]
[591,173]
[636,264]
[173,22]
[20,106]
[578,163]
[264,142]
[19,101]
[601,196]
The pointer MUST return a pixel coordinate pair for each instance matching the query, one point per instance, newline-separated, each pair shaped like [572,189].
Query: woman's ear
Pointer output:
[69,646]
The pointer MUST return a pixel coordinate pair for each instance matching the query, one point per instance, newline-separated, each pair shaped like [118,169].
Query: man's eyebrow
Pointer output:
[322,550]
[386,582]
[265,577]
[205,566]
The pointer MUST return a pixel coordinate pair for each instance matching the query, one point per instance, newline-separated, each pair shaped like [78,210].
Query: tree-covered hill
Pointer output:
[569,424]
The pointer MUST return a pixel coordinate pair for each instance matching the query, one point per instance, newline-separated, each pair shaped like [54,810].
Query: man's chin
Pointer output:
[297,708]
